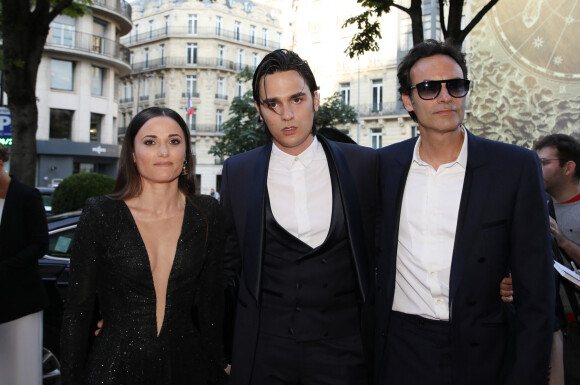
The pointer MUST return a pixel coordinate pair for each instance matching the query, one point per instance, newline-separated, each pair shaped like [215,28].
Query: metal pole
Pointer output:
[358,106]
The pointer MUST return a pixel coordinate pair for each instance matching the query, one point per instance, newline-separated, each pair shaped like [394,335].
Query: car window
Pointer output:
[59,243]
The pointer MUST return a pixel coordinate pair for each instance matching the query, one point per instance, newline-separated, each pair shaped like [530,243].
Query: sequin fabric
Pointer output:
[109,264]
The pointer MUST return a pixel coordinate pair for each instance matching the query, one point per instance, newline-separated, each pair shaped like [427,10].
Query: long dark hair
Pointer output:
[128,184]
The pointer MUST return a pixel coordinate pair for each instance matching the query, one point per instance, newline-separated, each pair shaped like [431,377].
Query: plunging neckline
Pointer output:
[148,262]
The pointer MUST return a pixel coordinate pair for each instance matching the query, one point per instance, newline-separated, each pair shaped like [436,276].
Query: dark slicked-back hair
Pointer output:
[128,184]
[422,50]
[282,60]
[568,149]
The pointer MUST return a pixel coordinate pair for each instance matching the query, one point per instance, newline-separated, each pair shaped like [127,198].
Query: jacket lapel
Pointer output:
[475,190]
[352,214]
[255,223]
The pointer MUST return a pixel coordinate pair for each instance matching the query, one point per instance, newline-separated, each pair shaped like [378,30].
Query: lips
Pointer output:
[289,130]
[164,164]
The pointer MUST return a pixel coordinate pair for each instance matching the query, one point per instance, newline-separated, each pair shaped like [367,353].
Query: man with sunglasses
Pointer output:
[458,212]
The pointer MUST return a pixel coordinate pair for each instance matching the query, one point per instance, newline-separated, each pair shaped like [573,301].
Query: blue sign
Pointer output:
[5,123]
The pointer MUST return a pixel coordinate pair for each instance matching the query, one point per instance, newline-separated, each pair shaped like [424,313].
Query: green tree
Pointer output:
[334,111]
[242,131]
[24,29]
[369,26]
[74,190]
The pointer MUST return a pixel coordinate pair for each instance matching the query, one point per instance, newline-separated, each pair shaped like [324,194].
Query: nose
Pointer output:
[287,113]
[444,96]
[163,150]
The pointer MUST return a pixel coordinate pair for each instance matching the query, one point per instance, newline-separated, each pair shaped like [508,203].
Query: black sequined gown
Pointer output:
[109,258]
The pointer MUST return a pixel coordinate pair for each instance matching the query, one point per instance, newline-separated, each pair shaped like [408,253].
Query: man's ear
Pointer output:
[260,117]
[570,167]
[407,102]
[316,101]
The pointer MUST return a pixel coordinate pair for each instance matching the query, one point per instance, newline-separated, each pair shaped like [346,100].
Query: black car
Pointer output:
[54,270]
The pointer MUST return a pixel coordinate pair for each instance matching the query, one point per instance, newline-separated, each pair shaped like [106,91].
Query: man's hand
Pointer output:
[99,327]
[228,369]
[555,229]
[506,290]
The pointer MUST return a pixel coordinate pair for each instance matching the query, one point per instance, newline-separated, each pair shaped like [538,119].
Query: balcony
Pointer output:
[182,62]
[95,46]
[207,129]
[221,96]
[192,94]
[205,33]
[121,12]
[375,109]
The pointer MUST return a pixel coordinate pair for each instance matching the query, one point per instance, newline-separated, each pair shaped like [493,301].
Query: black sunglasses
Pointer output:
[430,89]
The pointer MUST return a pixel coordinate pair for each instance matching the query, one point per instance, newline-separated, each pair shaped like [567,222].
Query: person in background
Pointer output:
[300,217]
[457,212]
[559,155]
[153,252]
[23,240]
[214,194]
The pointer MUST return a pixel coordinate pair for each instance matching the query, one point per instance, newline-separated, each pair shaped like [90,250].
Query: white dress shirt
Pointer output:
[427,235]
[300,193]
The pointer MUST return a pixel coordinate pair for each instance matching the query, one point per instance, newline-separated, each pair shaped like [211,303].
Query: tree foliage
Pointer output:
[74,190]
[24,27]
[370,31]
[334,111]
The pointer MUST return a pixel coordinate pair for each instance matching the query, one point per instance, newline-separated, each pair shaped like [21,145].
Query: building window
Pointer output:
[61,75]
[150,29]
[131,59]
[252,34]
[146,54]
[166,24]
[405,34]
[79,168]
[60,124]
[377,95]
[240,59]
[162,53]
[97,78]
[255,61]
[192,122]
[415,131]
[95,130]
[136,32]
[191,53]
[237,28]
[376,138]
[264,37]
[345,93]
[191,85]
[161,86]
[221,88]
[99,33]
[219,120]
[279,40]
[221,55]
[63,31]
[218,25]
[192,24]
[240,88]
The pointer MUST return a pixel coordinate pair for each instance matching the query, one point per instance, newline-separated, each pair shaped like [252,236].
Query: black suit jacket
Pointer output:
[243,196]
[23,240]
[502,226]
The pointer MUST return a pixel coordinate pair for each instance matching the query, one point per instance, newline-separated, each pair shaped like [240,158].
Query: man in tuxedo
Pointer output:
[457,212]
[300,218]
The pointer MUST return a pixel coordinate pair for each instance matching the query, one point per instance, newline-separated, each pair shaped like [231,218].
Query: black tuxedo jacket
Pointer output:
[502,226]
[243,198]
[23,240]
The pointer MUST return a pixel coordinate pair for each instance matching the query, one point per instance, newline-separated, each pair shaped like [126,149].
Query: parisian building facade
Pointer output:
[185,55]
[77,92]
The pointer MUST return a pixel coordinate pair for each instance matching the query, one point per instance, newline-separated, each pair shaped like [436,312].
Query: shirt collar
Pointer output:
[461,159]
[314,151]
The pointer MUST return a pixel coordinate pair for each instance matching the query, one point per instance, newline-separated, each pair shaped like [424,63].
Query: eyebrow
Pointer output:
[296,95]
[155,136]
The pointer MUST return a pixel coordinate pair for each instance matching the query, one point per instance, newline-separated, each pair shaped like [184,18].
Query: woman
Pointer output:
[23,239]
[152,250]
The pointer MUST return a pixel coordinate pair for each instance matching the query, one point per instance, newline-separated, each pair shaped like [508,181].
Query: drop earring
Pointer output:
[184,170]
